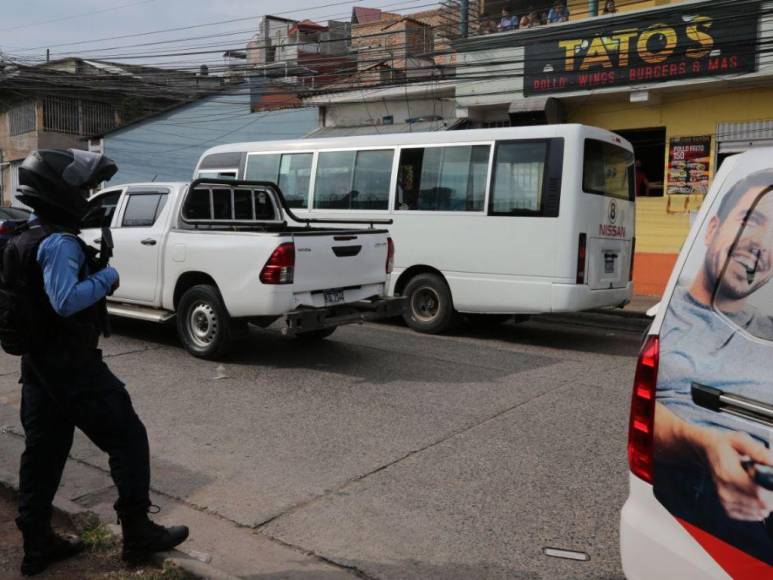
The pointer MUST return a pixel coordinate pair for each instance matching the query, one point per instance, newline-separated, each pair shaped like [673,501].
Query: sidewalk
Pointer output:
[100,561]
[218,549]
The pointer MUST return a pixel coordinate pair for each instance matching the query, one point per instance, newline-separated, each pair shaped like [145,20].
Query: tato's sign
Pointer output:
[644,48]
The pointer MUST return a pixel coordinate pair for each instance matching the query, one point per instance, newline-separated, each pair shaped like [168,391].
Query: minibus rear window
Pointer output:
[608,170]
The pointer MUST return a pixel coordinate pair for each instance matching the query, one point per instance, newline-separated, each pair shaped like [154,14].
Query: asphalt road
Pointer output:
[395,454]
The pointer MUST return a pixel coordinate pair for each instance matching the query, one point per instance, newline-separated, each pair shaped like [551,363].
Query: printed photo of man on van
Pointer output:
[718,331]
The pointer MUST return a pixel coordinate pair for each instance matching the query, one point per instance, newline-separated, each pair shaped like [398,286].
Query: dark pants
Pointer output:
[55,400]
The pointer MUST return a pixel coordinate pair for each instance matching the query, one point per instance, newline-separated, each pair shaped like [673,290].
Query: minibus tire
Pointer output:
[203,323]
[315,335]
[430,306]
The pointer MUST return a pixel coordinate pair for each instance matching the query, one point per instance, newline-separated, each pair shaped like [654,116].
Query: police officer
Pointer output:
[65,382]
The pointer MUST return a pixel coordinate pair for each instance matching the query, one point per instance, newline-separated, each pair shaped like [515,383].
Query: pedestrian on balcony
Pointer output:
[559,13]
[610,8]
[507,22]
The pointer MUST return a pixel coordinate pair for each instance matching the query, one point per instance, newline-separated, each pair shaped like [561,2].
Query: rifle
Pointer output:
[105,253]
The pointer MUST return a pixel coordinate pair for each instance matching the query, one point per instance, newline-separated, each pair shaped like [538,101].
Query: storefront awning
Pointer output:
[547,108]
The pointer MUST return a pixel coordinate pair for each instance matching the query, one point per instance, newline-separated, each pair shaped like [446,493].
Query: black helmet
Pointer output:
[56,183]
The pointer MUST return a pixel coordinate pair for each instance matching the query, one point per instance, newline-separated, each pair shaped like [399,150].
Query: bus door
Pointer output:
[609,176]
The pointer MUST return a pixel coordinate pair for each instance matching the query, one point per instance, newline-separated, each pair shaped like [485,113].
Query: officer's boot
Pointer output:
[142,537]
[43,547]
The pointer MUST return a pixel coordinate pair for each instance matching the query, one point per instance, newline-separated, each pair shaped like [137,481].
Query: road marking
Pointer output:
[566,554]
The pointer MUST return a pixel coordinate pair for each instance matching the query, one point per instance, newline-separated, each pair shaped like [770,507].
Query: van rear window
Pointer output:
[608,170]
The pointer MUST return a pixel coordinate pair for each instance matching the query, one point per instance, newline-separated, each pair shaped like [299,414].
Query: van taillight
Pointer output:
[280,266]
[633,256]
[390,261]
[642,423]
[582,253]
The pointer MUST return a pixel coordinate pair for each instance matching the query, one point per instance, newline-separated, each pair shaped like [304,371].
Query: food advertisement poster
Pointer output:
[689,165]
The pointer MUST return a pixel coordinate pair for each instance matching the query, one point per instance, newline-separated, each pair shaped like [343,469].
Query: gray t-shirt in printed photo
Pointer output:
[700,346]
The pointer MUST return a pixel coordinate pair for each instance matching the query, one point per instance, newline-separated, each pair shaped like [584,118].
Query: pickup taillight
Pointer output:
[280,267]
[390,261]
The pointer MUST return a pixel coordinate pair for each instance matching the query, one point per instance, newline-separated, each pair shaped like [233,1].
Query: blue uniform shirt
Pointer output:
[62,260]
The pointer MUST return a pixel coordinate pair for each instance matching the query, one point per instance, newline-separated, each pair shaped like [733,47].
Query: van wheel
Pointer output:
[430,307]
[315,335]
[203,323]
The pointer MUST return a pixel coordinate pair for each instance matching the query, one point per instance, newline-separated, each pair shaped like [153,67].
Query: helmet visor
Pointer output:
[88,169]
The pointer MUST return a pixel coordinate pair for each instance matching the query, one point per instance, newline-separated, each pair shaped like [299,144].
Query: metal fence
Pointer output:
[77,117]
[21,119]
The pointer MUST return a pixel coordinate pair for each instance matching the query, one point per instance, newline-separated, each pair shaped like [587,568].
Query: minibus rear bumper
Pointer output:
[575,297]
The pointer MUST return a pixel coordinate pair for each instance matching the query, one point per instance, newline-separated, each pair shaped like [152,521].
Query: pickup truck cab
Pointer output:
[219,254]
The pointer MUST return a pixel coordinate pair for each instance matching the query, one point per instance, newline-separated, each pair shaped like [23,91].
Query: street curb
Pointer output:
[81,519]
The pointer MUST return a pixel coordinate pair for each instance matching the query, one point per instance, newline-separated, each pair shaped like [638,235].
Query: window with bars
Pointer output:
[77,117]
[21,119]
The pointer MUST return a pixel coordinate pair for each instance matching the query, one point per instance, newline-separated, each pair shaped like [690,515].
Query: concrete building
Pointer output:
[669,76]
[59,104]
[302,54]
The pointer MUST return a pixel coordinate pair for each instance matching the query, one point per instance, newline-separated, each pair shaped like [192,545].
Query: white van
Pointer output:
[701,426]
[486,222]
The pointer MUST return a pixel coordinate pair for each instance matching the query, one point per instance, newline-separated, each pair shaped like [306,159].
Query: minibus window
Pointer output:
[519,176]
[290,171]
[442,178]
[608,170]
[353,180]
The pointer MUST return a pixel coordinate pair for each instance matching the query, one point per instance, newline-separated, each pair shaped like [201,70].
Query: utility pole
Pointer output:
[464,13]
[48,55]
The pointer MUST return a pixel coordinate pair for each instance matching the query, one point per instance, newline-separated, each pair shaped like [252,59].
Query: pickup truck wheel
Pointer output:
[314,335]
[203,322]
[430,307]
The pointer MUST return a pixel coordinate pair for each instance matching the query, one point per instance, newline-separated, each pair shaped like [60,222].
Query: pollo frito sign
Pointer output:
[649,48]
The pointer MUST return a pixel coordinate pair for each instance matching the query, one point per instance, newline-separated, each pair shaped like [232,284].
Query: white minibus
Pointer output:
[506,221]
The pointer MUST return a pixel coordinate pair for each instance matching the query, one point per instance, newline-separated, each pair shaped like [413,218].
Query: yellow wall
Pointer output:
[660,231]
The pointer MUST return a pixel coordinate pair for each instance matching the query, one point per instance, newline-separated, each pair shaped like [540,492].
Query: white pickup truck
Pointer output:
[219,255]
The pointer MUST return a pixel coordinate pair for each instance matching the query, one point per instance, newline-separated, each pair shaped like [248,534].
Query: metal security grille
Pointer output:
[77,117]
[21,119]
[61,115]
[96,118]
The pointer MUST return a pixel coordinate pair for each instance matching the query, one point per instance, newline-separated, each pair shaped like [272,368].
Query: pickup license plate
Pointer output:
[333,297]
[609,263]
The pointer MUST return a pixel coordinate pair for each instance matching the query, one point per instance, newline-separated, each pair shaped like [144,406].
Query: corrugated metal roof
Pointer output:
[419,127]
[751,131]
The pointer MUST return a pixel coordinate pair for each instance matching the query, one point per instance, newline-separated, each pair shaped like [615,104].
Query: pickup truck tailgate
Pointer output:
[325,261]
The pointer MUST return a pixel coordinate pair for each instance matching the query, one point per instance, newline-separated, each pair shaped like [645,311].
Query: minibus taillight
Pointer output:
[280,266]
[582,253]
[390,261]
[642,422]
[633,256]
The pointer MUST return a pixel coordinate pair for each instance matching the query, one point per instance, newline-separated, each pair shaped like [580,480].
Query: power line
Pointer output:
[74,16]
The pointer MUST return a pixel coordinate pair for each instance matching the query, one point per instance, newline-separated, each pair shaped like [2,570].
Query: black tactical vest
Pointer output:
[64,341]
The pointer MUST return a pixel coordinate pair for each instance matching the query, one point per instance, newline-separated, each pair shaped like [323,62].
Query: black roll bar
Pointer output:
[274,188]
